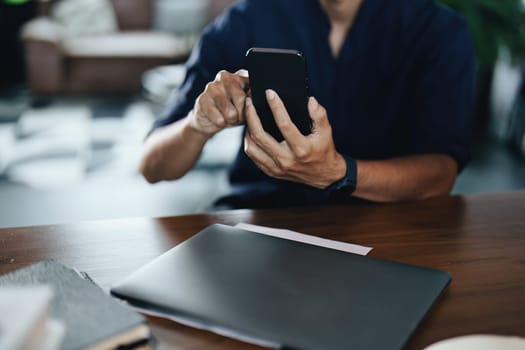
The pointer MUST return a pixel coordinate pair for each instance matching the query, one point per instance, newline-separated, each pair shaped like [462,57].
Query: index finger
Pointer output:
[235,85]
[291,134]
[243,73]
[264,140]
[245,78]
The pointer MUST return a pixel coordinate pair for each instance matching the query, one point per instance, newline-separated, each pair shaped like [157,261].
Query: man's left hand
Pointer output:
[311,160]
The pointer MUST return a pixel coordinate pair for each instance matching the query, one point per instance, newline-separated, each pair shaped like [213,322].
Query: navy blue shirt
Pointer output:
[402,84]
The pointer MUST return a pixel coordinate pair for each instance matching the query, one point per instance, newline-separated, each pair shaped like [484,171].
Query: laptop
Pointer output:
[285,294]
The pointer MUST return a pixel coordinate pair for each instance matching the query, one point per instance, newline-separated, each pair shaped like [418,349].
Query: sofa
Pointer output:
[98,64]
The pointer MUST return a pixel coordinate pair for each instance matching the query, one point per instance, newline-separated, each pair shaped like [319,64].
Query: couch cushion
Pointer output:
[129,44]
[181,17]
[134,14]
[43,29]
[85,17]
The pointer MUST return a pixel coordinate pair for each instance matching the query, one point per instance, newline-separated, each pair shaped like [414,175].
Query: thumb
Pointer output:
[318,114]
[245,79]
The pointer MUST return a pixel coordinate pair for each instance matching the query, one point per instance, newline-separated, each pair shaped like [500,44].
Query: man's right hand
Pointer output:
[221,105]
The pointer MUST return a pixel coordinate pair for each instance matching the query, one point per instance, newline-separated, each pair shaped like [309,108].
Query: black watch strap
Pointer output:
[349,182]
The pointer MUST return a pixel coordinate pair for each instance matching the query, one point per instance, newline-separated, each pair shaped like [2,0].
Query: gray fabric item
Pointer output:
[88,313]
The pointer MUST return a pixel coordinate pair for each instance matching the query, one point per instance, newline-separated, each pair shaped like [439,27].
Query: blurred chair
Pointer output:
[104,63]
[158,83]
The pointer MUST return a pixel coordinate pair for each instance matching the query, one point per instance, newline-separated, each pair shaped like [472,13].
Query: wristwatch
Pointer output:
[348,183]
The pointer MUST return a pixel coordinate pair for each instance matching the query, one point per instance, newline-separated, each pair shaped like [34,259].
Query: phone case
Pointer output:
[283,71]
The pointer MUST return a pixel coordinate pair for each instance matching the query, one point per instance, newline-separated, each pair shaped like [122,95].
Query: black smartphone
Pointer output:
[283,71]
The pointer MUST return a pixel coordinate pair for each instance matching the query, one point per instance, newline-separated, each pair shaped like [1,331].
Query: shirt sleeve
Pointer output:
[222,46]
[443,94]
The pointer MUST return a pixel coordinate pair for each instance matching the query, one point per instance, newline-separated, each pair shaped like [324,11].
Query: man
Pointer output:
[392,87]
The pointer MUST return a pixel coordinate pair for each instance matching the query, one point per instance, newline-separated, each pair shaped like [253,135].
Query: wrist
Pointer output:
[348,182]
[193,129]
[338,171]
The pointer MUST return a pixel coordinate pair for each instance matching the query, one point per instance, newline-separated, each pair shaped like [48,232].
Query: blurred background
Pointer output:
[81,82]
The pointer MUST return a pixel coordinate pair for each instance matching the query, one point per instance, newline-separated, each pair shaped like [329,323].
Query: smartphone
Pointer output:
[283,71]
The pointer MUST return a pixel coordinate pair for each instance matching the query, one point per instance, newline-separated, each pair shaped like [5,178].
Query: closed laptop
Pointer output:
[286,293]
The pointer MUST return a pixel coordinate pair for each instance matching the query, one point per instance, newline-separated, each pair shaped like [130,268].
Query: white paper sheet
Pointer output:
[308,239]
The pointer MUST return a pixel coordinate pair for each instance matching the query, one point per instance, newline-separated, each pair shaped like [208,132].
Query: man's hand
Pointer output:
[221,105]
[311,159]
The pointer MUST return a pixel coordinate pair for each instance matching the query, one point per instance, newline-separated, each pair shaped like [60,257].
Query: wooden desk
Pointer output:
[479,239]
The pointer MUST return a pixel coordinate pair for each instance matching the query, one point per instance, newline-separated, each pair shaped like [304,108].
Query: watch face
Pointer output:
[347,188]
[347,184]
[342,194]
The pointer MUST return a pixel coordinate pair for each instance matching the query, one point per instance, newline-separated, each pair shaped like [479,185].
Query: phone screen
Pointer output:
[283,71]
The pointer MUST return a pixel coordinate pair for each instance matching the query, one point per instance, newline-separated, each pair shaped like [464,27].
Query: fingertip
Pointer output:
[243,73]
[313,105]
[270,95]
[317,112]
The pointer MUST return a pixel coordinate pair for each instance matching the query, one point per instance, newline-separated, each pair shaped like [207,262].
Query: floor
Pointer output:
[494,168]
[80,162]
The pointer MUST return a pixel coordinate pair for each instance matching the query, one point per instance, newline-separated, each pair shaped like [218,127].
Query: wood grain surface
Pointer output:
[479,239]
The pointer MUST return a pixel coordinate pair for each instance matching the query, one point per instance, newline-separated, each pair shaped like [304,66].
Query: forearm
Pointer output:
[170,152]
[405,178]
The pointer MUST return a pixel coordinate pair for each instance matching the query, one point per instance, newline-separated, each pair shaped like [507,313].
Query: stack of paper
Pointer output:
[24,321]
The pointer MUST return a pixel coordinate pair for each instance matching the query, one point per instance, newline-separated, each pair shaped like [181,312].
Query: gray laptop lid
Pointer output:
[285,292]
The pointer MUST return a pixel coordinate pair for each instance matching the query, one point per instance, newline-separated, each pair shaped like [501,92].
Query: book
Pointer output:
[93,320]
[284,294]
